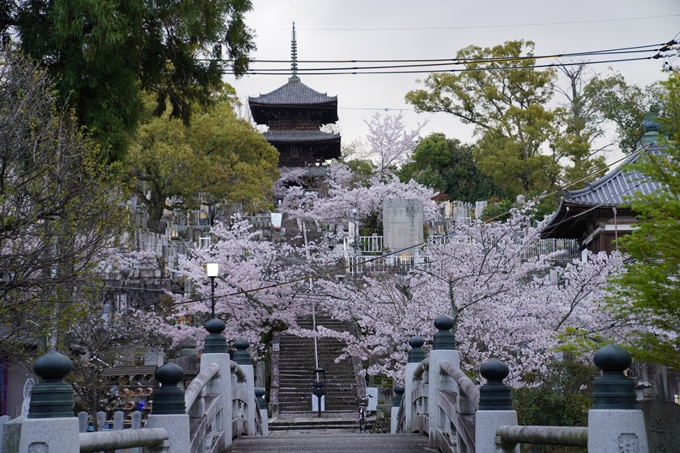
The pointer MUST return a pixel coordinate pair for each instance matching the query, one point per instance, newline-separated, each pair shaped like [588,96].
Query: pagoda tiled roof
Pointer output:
[300,136]
[293,93]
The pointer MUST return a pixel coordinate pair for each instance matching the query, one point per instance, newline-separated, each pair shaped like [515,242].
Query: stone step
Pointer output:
[307,372]
[333,443]
[314,426]
[330,397]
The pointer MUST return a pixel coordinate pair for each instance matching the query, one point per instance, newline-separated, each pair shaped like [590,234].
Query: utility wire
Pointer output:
[476,69]
[417,65]
[614,51]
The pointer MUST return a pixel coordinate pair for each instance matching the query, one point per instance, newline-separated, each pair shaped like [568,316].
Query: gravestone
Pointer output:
[402,224]
[662,419]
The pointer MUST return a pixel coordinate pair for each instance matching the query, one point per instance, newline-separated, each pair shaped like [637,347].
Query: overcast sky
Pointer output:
[398,29]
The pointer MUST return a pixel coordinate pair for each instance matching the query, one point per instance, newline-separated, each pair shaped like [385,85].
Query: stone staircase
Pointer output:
[296,362]
[294,231]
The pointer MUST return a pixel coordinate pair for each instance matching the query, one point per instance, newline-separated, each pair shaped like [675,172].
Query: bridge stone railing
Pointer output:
[441,401]
[219,405]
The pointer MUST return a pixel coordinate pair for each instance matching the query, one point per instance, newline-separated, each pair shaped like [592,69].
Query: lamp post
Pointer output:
[356,240]
[319,385]
[212,271]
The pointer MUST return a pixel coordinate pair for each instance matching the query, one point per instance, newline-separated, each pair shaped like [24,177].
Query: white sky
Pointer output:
[356,29]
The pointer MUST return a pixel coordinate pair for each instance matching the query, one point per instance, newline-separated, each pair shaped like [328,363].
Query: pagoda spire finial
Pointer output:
[293,58]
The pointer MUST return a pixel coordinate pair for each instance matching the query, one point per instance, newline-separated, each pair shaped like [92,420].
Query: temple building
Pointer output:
[599,213]
[294,114]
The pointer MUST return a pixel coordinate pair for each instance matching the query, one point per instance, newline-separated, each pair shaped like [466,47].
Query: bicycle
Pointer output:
[363,405]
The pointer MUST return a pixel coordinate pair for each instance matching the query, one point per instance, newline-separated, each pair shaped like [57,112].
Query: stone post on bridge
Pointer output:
[242,358]
[394,419]
[495,407]
[415,356]
[169,411]
[615,423]
[262,404]
[443,348]
[51,424]
[215,351]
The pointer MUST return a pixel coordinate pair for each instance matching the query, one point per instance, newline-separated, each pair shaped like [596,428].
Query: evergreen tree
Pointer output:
[219,158]
[648,292]
[448,166]
[102,54]
[508,109]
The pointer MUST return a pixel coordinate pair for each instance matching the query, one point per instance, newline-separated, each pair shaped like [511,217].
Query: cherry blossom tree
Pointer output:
[500,295]
[391,143]
[60,212]
[337,207]
[250,294]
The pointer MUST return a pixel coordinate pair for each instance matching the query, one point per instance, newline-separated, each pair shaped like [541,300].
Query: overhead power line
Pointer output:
[453,65]
[645,48]
[439,65]
[656,47]
[438,69]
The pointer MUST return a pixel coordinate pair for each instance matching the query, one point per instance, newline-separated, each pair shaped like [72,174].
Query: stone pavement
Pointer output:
[334,443]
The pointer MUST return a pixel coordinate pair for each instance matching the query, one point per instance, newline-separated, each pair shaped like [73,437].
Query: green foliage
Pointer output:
[649,291]
[508,108]
[576,342]
[219,158]
[102,54]
[627,105]
[557,401]
[525,145]
[358,158]
[580,122]
[500,209]
[362,170]
[497,210]
[448,166]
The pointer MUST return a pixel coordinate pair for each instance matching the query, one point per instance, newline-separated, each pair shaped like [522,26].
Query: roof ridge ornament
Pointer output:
[293,58]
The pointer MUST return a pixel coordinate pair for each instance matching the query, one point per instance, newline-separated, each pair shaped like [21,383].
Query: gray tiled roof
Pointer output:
[293,93]
[611,189]
[299,136]
[602,195]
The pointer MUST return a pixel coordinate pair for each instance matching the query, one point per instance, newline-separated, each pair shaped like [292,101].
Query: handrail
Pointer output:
[465,383]
[420,369]
[572,436]
[194,390]
[117,440]
[240,374]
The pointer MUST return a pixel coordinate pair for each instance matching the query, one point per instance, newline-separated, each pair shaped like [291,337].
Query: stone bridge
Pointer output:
[439,409]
